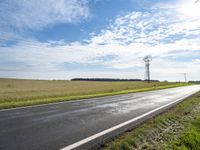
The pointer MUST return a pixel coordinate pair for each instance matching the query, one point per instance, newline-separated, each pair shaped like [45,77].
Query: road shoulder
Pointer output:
[165,131]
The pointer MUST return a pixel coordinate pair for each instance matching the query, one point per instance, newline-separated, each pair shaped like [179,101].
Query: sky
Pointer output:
[66,39]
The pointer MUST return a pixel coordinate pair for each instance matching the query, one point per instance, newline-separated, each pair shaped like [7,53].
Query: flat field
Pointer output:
[17,92]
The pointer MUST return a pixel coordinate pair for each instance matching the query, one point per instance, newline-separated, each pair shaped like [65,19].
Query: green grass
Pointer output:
[190,139]
[16,93]
[176,129]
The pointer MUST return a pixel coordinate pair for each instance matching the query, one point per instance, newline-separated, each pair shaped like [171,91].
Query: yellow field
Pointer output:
[15,90]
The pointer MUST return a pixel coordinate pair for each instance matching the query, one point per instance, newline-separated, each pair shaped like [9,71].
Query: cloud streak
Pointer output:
[35,15]
[163,31]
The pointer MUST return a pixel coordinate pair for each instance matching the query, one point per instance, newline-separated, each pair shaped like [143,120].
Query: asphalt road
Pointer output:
[55,126]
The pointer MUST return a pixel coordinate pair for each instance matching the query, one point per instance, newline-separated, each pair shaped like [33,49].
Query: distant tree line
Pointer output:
[109,79]
[194,82]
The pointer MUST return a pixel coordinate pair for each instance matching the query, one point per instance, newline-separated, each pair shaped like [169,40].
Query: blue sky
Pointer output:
[64,39]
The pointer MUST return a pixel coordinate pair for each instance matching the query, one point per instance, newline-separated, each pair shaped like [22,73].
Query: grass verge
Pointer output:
[176,129]
[190,139]
[4,104]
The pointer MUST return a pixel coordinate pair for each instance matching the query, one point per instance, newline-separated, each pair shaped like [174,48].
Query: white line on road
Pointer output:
[84,141]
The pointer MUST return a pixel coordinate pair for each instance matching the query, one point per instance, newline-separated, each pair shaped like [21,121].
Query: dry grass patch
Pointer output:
[15,92]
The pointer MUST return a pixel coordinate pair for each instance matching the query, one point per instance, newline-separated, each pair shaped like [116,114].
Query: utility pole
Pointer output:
[147,60]
[185,76]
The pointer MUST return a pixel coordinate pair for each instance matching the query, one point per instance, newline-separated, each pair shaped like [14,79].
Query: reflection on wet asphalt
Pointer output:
[57,125]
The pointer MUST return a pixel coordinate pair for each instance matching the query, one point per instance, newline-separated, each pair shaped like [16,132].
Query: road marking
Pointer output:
[84,141]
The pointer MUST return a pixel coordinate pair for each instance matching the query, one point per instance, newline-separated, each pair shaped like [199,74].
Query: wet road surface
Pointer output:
[55,126]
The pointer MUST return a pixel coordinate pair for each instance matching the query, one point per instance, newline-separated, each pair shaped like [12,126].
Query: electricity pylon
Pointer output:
[147,60]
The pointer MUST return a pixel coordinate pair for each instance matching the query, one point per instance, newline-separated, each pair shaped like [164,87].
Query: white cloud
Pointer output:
[150,27]
[189,8]
[158,31]
[31,14]
[196,61]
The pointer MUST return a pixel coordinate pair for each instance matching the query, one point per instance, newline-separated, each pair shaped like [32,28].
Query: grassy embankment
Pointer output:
[16,93]
[176,129]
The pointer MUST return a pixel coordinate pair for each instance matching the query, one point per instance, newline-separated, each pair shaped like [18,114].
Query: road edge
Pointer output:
[95,141]
[83,99]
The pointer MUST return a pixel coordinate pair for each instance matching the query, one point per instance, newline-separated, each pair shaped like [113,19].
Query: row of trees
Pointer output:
[194,82]
[108,79]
